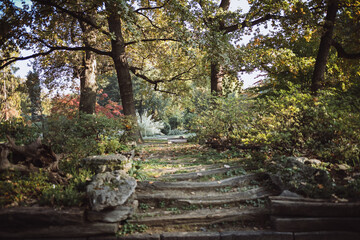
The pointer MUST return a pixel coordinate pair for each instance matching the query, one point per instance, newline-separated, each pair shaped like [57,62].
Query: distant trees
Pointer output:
[174,46]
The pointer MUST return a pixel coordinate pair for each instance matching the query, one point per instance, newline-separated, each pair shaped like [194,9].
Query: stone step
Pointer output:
[199,174]
[229,182]
[204,197]
[202,216]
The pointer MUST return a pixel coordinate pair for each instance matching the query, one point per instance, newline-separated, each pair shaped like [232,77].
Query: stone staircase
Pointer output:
[186,202]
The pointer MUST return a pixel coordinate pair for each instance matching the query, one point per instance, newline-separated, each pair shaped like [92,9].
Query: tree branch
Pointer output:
[152,40]
[150,21]
[151,8]
[80,17]
[249,24]
[156,82]
[342,53]
[11,60]
[225,4]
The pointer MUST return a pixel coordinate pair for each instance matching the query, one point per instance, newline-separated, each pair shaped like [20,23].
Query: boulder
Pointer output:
[111,162]
[110,189]
[298,175]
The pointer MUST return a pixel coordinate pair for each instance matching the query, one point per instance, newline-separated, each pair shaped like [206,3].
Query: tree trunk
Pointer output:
[34,90]
[120,61]
[217,71]
[217,75]
[325,44]
[88,84]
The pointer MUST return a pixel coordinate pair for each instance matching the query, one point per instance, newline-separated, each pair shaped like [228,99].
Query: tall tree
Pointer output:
[223,27]
[119,17]
[88,85]
[325,44]
[120,60]
[34,91]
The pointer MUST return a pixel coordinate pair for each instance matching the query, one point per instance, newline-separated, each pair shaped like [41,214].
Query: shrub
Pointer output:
[166,129]
[149,127]
[24,132]
[176,132]
[88,134]
[288,122]
[174,122]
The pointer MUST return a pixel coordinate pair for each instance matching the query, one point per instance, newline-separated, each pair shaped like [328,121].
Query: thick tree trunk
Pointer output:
[217,71]
[88,84]
[325,44]
[120,61]
[217,75]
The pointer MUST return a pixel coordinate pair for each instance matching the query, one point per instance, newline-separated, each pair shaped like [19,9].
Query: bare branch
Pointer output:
[156,82]
[152,40]
[163,91]
[249,24]
[11,60]
[342,53]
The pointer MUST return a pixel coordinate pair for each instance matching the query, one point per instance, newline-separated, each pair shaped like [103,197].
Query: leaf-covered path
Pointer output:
[186,187]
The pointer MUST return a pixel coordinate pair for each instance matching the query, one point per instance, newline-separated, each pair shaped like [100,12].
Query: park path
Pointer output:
[192,188]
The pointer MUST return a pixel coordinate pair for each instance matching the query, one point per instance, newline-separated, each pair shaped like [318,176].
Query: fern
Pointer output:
[149,127]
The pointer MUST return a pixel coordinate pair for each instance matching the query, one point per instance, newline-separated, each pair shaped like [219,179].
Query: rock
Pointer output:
[110,216]
[305,160]
[300,159]
[110,189]
[297,176]
[287,193]
[343,167]
[313,161]
[106,163]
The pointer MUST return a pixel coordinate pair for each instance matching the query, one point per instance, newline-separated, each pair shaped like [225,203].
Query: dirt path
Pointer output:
[190,188]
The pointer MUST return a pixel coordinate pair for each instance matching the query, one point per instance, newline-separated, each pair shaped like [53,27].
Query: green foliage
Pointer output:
[62,196]
[166,129]
[23,189]
[175,132]
[17,188]
[136,171]
[110,145]
[23,132]
[88,134]
[288,122]
[129,228]
[174,122]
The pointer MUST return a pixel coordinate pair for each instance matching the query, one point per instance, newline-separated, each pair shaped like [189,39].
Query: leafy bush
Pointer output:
[88,134]
[288,122]
[22,131]
[22,189]
[176,132]
[18,188]
[174,122]
[166,129]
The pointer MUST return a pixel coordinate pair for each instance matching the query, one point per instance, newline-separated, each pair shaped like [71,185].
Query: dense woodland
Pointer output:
[109,72]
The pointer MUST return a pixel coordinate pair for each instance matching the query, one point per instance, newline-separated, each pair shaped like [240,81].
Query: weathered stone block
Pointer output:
[326,236]
[110,189]
[256,235]
[191,235]
[108,163]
